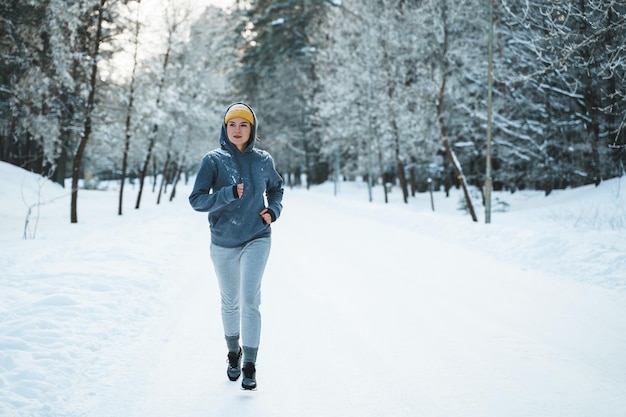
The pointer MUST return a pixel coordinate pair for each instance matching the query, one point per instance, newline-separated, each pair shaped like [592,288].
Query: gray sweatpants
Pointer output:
[239,273]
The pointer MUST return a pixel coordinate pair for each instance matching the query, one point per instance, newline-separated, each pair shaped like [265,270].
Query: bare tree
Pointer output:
[129,111]
[175,17]
[93,55]
[440,110]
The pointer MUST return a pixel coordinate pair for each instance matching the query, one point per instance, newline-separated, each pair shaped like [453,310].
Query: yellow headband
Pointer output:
[239,110]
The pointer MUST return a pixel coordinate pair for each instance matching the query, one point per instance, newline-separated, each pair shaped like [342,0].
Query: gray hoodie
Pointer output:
[236,221]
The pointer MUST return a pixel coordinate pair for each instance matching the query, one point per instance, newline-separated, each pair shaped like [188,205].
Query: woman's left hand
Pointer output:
[266,216]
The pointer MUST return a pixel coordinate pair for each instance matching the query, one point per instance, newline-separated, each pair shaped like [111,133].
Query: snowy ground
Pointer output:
[369,309]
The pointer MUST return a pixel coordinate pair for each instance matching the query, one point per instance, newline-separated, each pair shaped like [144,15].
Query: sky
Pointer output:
[153,32]
[369,309]
[152,9]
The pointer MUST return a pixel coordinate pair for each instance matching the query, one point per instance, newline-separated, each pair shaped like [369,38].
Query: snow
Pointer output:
[369,309]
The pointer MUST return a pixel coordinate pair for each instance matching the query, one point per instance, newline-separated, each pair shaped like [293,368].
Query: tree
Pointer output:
[199,90]
[374,89]
[568,73]
[95,25]
[441,117]
[175,18]
[278,74]
[54,81]
[129,110]
[36,93]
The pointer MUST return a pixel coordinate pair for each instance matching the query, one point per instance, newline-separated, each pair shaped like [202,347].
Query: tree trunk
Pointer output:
[146,163]
[589,105]
[60,163]
[179,172]
[307,164]
[400,164]
[164,177]
[403,182]
[155,127]
[90,105]
[129,110]
[444,134]
[155,174]
[382,172]
[413,180]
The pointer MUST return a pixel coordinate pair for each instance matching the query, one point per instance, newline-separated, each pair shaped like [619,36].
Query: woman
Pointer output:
[233,185]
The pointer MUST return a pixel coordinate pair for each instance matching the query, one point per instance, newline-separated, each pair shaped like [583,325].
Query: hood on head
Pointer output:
[236,111]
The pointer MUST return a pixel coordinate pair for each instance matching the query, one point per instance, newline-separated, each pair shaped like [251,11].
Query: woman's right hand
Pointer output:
[239,190]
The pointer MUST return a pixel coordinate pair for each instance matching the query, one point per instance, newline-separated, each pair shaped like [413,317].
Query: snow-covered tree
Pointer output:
[561,73]
[56,48]
[279,78]
[39,95]
[201,87]
[377,89]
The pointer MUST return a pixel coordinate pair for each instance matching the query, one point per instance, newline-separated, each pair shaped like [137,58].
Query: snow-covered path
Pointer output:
[364,319]
[367,311]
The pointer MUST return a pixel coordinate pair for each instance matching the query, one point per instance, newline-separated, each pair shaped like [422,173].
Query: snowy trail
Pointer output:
[415,335]
[471,337]
[368,310]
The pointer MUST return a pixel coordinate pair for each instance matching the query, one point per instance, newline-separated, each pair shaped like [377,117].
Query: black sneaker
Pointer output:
[234,365]
[249,376]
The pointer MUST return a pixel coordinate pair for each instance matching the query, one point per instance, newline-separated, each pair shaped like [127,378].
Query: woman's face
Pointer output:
[238,131]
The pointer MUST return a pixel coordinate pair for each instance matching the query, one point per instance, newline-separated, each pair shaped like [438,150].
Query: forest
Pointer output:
[412,94]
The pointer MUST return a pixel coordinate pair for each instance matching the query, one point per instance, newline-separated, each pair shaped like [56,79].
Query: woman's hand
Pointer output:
[239,190]
[266,216]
